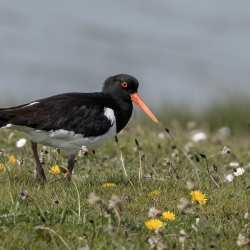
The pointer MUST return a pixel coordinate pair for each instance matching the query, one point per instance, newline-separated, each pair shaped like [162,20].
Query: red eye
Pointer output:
[124,84]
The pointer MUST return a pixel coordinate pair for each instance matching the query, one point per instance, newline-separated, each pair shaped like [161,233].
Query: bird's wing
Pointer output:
[78,112]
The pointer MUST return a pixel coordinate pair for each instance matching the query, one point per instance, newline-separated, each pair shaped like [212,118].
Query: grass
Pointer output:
[58,215]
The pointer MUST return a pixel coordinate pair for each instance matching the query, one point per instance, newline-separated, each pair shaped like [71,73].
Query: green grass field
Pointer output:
[86,214]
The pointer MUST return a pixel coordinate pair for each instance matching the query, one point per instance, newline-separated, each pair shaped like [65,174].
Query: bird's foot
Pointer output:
[40,175]
[68,177]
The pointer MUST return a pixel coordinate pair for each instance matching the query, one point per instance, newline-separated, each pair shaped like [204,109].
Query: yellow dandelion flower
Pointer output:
[168,215]
[153,193]
[153,224]
[55,169]
[12,159]
[108,184]
[198,196]
[1,167]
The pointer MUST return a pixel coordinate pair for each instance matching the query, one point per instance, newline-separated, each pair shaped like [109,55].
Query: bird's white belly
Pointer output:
[69,141]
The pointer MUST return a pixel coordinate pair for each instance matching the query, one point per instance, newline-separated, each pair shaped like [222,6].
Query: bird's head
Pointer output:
[125,87]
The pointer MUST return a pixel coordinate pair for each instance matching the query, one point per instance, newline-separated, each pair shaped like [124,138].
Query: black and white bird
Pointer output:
[72,120]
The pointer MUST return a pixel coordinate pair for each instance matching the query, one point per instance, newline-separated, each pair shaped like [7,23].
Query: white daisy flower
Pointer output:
[199,136]
[239,171]
[20,143]
[234,164]
[225,150]
[242,240]
[161,135]
[229,178]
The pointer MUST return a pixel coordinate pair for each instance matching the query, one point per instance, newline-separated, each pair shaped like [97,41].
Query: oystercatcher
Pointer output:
[72,120]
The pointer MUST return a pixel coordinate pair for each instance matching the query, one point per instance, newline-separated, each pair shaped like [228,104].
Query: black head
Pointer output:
[121,86]
[123,89]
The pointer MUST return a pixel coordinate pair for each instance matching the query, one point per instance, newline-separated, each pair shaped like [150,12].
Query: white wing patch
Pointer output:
[109,113]
[7,126]
[30,104]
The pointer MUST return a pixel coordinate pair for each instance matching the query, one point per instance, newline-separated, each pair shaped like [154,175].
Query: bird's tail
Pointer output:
[3,119]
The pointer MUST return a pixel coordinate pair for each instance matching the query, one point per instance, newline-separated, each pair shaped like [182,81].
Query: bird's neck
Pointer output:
[122,117]
[122,110]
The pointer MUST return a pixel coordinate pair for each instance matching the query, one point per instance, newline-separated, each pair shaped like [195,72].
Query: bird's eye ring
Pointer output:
[124,84]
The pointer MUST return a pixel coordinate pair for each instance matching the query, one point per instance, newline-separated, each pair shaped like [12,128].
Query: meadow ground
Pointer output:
[184,195]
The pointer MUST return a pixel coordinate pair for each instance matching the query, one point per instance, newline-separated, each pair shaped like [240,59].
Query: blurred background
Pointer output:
[184,53]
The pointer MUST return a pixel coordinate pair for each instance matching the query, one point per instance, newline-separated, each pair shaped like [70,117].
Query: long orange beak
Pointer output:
[137,99]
